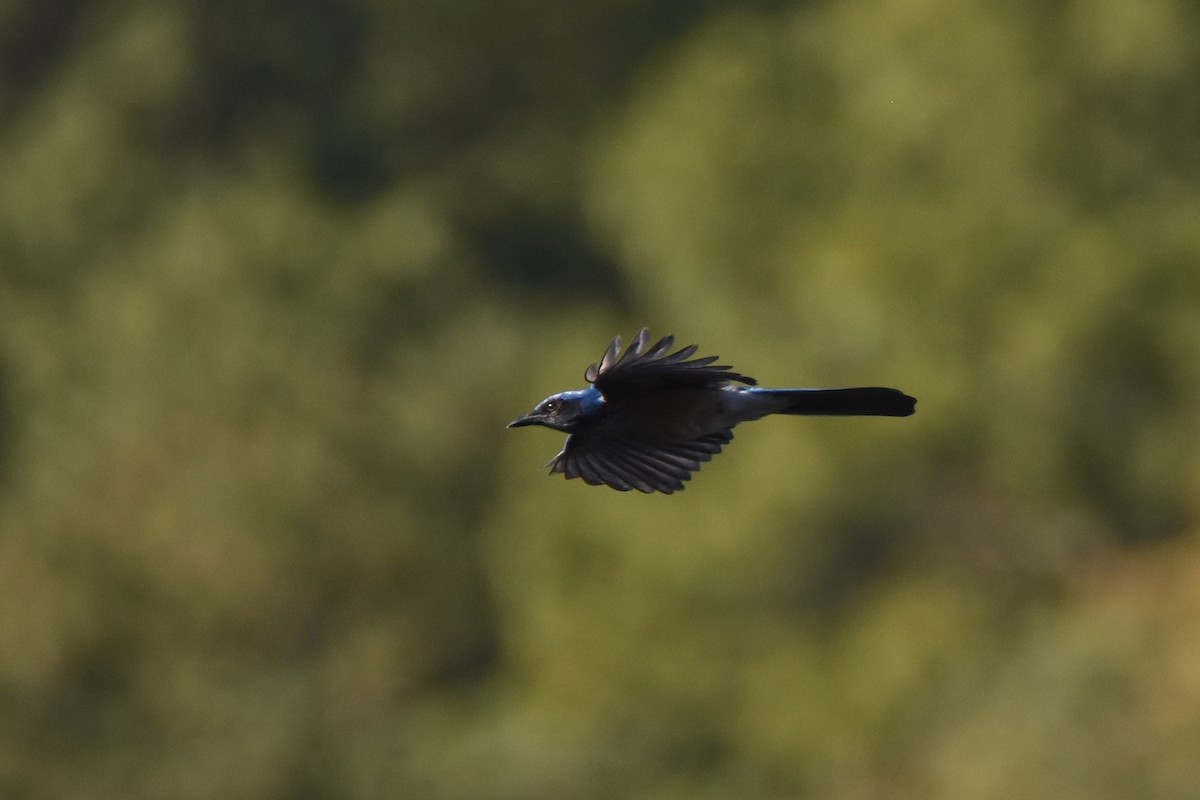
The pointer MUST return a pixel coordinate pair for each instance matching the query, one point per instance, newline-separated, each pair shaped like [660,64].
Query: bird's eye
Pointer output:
[551,406]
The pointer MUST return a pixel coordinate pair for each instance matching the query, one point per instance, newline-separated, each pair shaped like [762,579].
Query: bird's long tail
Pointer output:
[873,401]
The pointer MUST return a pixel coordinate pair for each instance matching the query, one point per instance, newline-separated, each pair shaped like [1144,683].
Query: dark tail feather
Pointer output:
[873,401]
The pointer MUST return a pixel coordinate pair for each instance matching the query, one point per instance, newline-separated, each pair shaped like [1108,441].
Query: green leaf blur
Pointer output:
[274,276]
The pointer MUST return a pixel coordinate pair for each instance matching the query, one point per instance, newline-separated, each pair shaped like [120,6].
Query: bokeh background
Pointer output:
[274,276]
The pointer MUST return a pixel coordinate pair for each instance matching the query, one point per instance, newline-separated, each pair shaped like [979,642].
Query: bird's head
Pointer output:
[565,411]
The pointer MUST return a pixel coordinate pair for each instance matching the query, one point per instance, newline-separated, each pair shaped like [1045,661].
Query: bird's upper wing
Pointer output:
[626,464]
[648,367]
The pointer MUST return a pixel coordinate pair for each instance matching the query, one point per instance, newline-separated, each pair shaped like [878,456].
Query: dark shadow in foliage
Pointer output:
[292,72]
[33,40]
[407,311]
[477,659]
[276,67]
[547,255]
[1124,385]
[95,684]
[8,422]
[828,582]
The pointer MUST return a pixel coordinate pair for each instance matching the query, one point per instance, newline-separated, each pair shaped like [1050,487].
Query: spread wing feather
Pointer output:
[626,464]
[643,366]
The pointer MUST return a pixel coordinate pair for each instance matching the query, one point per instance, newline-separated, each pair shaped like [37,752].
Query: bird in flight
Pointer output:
[650,417]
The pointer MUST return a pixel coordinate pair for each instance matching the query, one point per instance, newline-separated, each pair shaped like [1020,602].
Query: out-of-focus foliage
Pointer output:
[274,275]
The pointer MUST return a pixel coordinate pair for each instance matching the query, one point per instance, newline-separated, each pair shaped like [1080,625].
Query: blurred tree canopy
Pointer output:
[273,276]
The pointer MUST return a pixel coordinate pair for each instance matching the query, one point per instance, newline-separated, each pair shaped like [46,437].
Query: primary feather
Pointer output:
[643,366]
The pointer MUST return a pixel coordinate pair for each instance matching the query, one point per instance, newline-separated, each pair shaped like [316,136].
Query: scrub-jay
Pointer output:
[649,419]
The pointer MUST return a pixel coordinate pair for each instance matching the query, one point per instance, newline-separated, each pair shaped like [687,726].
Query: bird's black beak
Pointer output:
[521,422]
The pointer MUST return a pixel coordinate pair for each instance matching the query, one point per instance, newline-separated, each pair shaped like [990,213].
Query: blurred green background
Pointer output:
[274,276]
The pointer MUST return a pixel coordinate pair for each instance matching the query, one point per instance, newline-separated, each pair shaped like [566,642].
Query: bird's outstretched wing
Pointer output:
[626,464]
[646,367]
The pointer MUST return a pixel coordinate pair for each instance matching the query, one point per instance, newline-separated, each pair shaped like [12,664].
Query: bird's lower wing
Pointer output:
[626,464]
